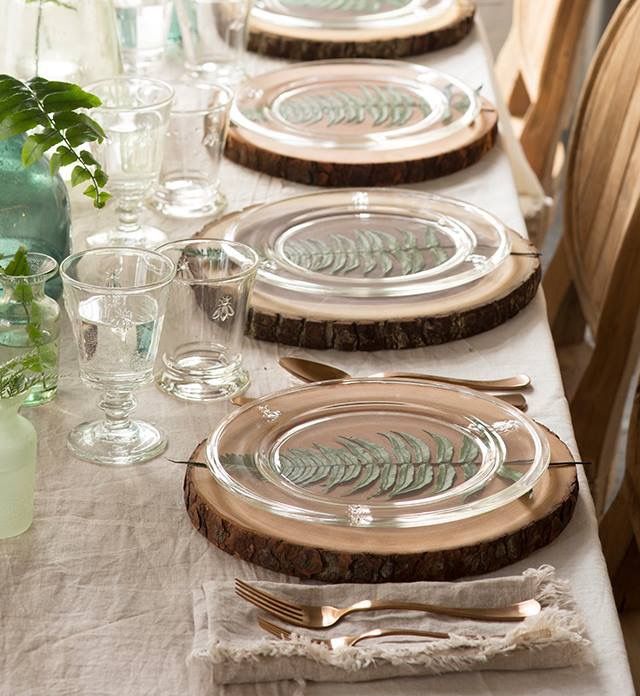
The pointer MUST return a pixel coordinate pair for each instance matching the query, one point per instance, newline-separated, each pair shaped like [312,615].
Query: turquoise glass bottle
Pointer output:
[34,208]
[174,30]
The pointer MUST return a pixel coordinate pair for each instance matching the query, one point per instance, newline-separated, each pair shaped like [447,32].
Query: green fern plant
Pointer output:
[379,106]
[405,464]
[367,251]
[347,6]
[49,111]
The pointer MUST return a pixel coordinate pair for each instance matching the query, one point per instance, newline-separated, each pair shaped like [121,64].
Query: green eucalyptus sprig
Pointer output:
[52,108]
[27,370]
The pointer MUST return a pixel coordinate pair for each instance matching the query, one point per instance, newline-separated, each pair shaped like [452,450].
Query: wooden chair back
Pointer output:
[620,527]
[536,69]
[593,277]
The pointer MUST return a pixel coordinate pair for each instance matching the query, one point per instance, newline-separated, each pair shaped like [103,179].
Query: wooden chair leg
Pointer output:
[563,306]
[616,533]
[519,101]
[509,77]
[626,588]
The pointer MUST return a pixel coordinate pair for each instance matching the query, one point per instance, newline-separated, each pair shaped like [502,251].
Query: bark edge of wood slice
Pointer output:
[451,155]
[303,48]
[447,552]
[426,327]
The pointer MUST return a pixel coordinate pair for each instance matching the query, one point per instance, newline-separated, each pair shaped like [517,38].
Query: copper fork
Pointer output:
[323,616]
[349,641]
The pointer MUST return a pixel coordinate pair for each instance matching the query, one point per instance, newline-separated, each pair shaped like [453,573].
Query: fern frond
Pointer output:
[368,251]
[52,108]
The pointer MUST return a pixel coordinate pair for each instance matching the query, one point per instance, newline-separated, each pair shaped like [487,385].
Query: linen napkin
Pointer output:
[230,648]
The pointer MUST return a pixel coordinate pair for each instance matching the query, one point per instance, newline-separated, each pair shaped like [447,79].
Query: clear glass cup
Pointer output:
[214,37]
[143,30]
[116,300]
[29,328]
[189,181]
[69,40]
[201,345]
[135,115]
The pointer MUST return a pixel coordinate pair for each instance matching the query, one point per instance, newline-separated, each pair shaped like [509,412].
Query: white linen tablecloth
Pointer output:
[96,599]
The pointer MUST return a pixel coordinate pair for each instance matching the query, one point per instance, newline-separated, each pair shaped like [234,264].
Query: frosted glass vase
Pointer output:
[18,447]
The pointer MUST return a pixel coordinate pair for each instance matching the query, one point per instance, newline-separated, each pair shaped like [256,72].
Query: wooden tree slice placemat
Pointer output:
[394,323]
[298,41]
[473,546]
[359,123]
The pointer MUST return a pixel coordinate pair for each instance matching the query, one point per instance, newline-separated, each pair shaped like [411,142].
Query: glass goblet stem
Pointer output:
[117,406]
[129,214]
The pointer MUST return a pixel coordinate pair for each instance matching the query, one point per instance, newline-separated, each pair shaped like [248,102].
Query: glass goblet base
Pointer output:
[188,197]
[99,443]
[145,236]
[202,377]
[215,72]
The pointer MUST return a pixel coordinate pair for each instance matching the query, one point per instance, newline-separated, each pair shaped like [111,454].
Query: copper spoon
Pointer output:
[312,371]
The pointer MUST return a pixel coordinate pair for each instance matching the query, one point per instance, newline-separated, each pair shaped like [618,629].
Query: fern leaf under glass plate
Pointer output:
[367,251]
[377,105]
[347,6]
[406,464]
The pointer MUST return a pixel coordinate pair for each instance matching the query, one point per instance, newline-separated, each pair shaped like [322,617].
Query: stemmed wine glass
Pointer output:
[134,115]
[116,299]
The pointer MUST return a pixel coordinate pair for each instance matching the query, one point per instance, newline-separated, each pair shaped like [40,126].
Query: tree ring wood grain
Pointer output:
[327,167]
[469,547]
[304,44]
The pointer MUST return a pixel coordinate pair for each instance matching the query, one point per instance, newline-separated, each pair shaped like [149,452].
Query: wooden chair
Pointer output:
[536,71]
[593,280]
[620,537]
[620,527]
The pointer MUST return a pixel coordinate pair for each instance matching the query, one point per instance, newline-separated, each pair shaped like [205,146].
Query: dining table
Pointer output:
[96,597]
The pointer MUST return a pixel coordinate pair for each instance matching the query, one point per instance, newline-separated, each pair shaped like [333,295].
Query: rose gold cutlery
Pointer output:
[349,641]
[312,371]
[323,616]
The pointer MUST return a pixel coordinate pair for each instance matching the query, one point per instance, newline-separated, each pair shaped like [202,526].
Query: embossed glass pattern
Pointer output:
[134,114]
[385,453]
[201,344]
[372,243]
[190,177]
[116,299]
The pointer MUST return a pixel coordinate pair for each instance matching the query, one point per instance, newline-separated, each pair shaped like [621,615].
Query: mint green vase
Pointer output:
[34,208]
[18,448]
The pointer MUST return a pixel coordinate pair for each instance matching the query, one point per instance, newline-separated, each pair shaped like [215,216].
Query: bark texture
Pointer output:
[300,49]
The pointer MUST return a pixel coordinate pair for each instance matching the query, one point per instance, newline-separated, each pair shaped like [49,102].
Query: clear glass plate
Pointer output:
[355,104]
[348,14]
[375,243]
[378,453]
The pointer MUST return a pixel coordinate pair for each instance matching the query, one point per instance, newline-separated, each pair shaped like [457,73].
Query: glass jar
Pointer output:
[17,468]
[73,41]
[34,208]
[29,327]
